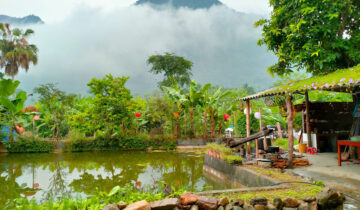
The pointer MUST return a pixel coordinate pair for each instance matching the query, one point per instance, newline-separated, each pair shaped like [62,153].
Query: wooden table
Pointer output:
[346,143]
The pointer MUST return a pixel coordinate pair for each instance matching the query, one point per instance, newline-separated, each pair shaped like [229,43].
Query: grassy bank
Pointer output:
[100,143]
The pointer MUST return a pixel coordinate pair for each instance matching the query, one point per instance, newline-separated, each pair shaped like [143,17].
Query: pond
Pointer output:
[44,176]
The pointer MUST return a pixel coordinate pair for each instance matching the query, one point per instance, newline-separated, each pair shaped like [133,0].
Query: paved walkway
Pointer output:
[324,167]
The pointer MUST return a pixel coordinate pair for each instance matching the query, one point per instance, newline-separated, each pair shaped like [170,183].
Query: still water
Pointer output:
[44,176]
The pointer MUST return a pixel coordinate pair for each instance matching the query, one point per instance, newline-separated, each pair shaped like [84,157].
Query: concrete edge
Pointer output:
[246,189]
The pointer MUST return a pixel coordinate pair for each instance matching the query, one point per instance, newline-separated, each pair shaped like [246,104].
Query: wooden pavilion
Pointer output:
[343,80]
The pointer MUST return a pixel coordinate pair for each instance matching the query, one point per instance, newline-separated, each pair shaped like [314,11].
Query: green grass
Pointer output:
[220,148]
[283,143]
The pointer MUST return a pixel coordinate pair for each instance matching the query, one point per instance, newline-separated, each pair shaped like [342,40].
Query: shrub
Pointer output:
[30,144]
[103,142]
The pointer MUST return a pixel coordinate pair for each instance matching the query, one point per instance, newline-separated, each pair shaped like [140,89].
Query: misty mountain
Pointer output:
[192,4]
[27,20]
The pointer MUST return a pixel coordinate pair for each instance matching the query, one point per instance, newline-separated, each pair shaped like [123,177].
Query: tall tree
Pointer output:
[174,68]
[15,51]
[112,102]
[318,36]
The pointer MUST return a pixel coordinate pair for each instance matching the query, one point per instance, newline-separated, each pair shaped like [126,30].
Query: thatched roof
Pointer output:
[343,80]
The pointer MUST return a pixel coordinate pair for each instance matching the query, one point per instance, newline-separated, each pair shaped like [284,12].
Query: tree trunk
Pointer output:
[289,105]
[192,122]
[212,127]
[205,125]
[54,126]
[220,126]
[185,122]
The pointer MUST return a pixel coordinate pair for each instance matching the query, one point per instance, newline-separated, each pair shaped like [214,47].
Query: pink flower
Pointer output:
[357,81]
[313,84]
[351,81]
[315,87]
[36,117]
[342,80]
[326,84]
[351,69]
[333,82]
[280,88]
[285,91]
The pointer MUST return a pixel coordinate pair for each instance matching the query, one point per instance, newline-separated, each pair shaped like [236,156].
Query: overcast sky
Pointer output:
[54,11]
[82,39]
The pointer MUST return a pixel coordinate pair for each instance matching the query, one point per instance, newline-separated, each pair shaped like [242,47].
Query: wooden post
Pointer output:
[289,120]
[256,140]
[308,128]
[248,124]
[261,126]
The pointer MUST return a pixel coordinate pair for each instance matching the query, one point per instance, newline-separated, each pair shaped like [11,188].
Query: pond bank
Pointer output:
[135,143]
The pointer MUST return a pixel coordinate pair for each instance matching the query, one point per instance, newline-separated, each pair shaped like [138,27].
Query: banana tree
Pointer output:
[11,105]
[179,99]
[194,98]
[215,105]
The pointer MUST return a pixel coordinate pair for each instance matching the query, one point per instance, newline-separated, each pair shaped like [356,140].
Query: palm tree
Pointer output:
[15,51]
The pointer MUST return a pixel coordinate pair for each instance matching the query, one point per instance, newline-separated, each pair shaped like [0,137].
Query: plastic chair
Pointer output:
[311,150]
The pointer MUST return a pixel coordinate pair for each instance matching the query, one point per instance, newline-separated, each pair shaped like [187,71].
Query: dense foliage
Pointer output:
[30,144]
[140,142]
[318,36]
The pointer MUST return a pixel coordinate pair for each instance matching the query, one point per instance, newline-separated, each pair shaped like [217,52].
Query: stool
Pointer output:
[311,150]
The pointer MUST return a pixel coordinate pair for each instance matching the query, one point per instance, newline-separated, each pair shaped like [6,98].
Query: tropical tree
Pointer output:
[11,106]
[15,51]
[53,105]
[318,36]
[215,105]
[174,68]
[111,102]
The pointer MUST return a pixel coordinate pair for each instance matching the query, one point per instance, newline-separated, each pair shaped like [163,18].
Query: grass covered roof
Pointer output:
[342,80]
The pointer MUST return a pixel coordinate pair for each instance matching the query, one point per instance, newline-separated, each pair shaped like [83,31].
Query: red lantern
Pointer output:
[138,114]
[226,116]
[176,115]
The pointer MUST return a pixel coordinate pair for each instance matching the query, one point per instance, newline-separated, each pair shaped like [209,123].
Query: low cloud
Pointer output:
[221,42]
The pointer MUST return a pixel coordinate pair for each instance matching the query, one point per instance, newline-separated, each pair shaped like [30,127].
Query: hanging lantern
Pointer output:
[226,116]
[36,185]
[36,117]
[176,115]
[138,114]
[257,115]
[245,110]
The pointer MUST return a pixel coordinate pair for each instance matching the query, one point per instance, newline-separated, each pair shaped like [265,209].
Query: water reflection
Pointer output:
[45,176]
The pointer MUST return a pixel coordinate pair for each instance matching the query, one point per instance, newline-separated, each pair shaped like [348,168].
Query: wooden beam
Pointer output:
[289,120]
[248,124]
[264,132]
[308,128]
